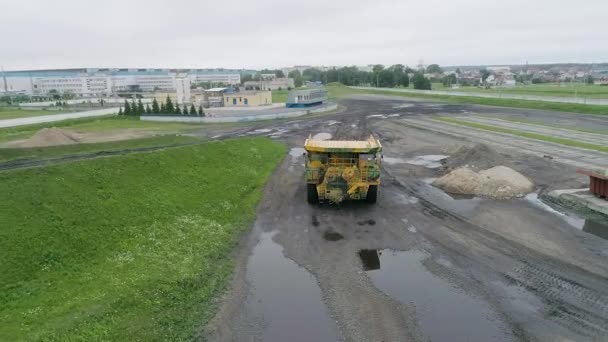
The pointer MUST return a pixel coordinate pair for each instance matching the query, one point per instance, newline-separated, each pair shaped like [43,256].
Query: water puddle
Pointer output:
[431,161]
[332,236]
[574,221]
[322,136]
[262,130]
[594,227]
[332,122]
[278,133]
[370,222]
[444,312]
[381,116]
[296,153]
[464,205]
[394,115]
[370,259]
[285,297]
[405,105]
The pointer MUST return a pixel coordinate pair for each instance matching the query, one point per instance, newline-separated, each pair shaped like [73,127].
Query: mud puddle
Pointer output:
[458,204]
[444,312]
[285,298]
[432,161]
[405,105]
[332,236]
[594,227]
[380,116]
[296,153]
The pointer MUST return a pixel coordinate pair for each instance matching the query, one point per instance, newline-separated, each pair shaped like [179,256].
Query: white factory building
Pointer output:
[95,82]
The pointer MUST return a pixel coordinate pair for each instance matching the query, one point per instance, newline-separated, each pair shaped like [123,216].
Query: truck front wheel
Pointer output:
[372,194]
[313,195]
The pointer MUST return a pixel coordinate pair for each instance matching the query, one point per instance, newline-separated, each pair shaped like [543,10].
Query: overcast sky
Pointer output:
[40,34]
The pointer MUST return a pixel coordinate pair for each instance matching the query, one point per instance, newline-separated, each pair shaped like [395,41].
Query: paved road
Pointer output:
[419,264]
[56,117]
[581,100]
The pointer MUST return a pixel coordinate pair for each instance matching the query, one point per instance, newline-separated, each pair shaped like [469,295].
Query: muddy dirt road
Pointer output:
[419,265]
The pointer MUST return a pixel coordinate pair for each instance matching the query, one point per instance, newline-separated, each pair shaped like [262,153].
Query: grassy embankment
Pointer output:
[536,136]
[11,112]
[9,154]
[129,248]
[551,89]
[338,90]
[166,136]
[543,124]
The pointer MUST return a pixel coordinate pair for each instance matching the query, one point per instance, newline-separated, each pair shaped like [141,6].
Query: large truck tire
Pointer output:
[372,194]
[313,195]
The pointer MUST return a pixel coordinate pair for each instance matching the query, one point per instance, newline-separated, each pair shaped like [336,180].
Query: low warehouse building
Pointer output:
[248,98]
[306,97]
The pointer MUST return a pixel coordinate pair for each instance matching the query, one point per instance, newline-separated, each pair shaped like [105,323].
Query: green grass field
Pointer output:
[336,91]
[562,141]
[129,248]
[543,124]
[563,90]
[7,112]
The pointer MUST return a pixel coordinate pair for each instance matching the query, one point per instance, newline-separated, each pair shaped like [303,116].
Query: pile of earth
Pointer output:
[477,157]
[499,182]
[52,136]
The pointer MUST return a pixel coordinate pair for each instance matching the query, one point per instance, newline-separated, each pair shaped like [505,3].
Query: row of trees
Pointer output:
[166,108]
[397,75]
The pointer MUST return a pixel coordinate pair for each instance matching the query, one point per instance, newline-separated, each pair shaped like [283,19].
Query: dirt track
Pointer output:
[420,264]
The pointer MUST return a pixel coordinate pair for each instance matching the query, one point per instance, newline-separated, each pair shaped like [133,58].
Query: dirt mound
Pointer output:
[499,182]
[52,136]
[477,157]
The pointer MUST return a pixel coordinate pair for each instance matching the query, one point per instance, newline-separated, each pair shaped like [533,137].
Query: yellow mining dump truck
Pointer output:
[339,170]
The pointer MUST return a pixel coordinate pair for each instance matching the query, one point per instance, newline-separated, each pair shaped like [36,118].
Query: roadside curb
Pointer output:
[578,199]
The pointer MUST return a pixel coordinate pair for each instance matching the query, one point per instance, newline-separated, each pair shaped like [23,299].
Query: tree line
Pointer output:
[397,75]
[134,108]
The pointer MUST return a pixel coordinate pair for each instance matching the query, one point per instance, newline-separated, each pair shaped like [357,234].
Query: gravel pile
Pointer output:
[478,157]
[52,136]
[499,182]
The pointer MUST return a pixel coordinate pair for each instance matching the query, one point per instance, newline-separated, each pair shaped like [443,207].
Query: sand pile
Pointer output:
[499,182]
[478,157]
[52,136]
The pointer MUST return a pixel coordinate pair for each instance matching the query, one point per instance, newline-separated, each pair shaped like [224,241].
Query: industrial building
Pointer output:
[270,82]
[248,98]
[214,97]
[99,82]
[306,97]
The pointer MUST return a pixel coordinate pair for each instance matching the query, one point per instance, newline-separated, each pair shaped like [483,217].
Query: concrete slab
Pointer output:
[579,198]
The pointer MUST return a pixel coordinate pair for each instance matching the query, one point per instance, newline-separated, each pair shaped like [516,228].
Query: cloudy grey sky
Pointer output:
[276,33]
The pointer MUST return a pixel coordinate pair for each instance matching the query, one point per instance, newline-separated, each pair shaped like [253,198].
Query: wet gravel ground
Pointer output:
[420,264]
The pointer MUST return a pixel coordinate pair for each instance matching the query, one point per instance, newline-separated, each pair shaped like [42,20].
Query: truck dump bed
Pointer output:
[371,145]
